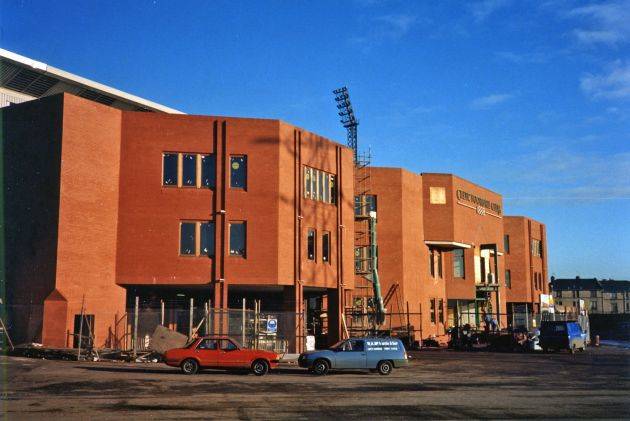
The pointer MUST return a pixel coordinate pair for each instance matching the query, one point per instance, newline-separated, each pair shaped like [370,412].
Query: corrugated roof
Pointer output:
[34,79]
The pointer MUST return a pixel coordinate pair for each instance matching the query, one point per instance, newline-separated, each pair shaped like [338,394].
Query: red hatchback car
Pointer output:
[220,352]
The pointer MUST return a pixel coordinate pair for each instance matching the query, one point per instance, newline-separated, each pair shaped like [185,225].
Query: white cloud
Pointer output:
[557,173]
[382,29]
[605,23]
[398,24]
[489,101]
[614,84]
[482,9]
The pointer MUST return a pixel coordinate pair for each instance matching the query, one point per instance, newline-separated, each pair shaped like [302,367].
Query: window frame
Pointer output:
[213,237]
[508,278]
[432,315]
[326,247]
[506,243]
[195,238]
[245,164]
[201,184]
[463,263]
[176,155]
[311,243]
[242,223]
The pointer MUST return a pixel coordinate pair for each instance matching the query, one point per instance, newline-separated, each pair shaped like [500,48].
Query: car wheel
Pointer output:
[190,366]
[260,367]
[321,367]
[385,368]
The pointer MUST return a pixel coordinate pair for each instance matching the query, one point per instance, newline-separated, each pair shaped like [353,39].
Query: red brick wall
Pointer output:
[88,214]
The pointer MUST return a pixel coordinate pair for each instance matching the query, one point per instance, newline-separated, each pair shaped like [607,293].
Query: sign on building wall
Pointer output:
[481,205]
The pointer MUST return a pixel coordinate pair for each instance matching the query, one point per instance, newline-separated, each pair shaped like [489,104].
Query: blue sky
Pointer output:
[528,98]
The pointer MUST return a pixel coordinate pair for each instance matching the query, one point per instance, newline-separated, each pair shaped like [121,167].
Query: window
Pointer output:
[319,185]
[308,190]
[238,172]
[227,345]
[508,278]
[536,248]
[614,308]
[208,344]
[593,305]
[310,244]
[558,294]
[593,293]
[187,238]
[432,310]
[437,195]
[435,263]
[458,264]
[364,204]
[189,170]
[238,240]
[354,345]
[190,231]
[441,310]
[169,169]
[326,247]
[207,238]
[506,244]
[575,294]
[208,171]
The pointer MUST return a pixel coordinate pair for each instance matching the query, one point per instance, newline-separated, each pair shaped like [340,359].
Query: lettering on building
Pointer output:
[481,205]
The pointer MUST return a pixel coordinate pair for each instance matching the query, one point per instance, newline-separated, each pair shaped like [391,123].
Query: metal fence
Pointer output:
[274,331]
[519,320]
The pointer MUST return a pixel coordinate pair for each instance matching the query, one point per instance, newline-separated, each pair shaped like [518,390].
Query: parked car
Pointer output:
[220,352]
[375,354]
[558,335]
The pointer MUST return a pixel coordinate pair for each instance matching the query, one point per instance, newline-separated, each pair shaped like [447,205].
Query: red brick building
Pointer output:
[116,204]
[525,263]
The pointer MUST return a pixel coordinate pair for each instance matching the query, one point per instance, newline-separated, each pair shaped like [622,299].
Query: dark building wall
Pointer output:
[31,153]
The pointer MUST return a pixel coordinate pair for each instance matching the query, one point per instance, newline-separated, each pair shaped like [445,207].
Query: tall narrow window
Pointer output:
[238,172]
[307,182]
[432,262]
[326,247]
[333,190]
[207,238]
[439,263]
[189,170]
[187,239]
[441,310]
[326,188]
[310,244]
[169,169]
[314,178]
[508,278]
[458,264]
[208,171]
[506,243]
[432,309]
[320,185]
[238,238]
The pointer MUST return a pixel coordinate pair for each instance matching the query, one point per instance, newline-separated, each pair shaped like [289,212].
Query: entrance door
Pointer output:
[83,329]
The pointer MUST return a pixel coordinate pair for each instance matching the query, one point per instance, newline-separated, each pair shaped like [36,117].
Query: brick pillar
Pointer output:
[293,297]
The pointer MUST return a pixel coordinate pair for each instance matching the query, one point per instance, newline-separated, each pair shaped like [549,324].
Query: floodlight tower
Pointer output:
[348,119]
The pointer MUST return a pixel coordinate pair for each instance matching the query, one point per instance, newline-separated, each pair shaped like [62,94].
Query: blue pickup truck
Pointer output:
[375,354]
[562,335]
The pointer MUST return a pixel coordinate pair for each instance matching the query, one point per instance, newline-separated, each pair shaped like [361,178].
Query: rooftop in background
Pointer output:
[587,284]
[23,79]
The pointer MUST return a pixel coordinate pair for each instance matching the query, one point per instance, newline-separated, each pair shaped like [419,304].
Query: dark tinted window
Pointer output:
[326,247]
[187,238]
[189,170]
[310,244]
[432,309]
[207,238]
[238,239]
[506,243]
[227,345]
[208,171]
[508,278]
[238,172]
[169,169]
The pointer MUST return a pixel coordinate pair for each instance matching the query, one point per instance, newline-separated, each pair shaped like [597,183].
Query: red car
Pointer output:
[220,352]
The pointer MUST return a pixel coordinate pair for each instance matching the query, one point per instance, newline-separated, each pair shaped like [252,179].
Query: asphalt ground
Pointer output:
[437,385]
